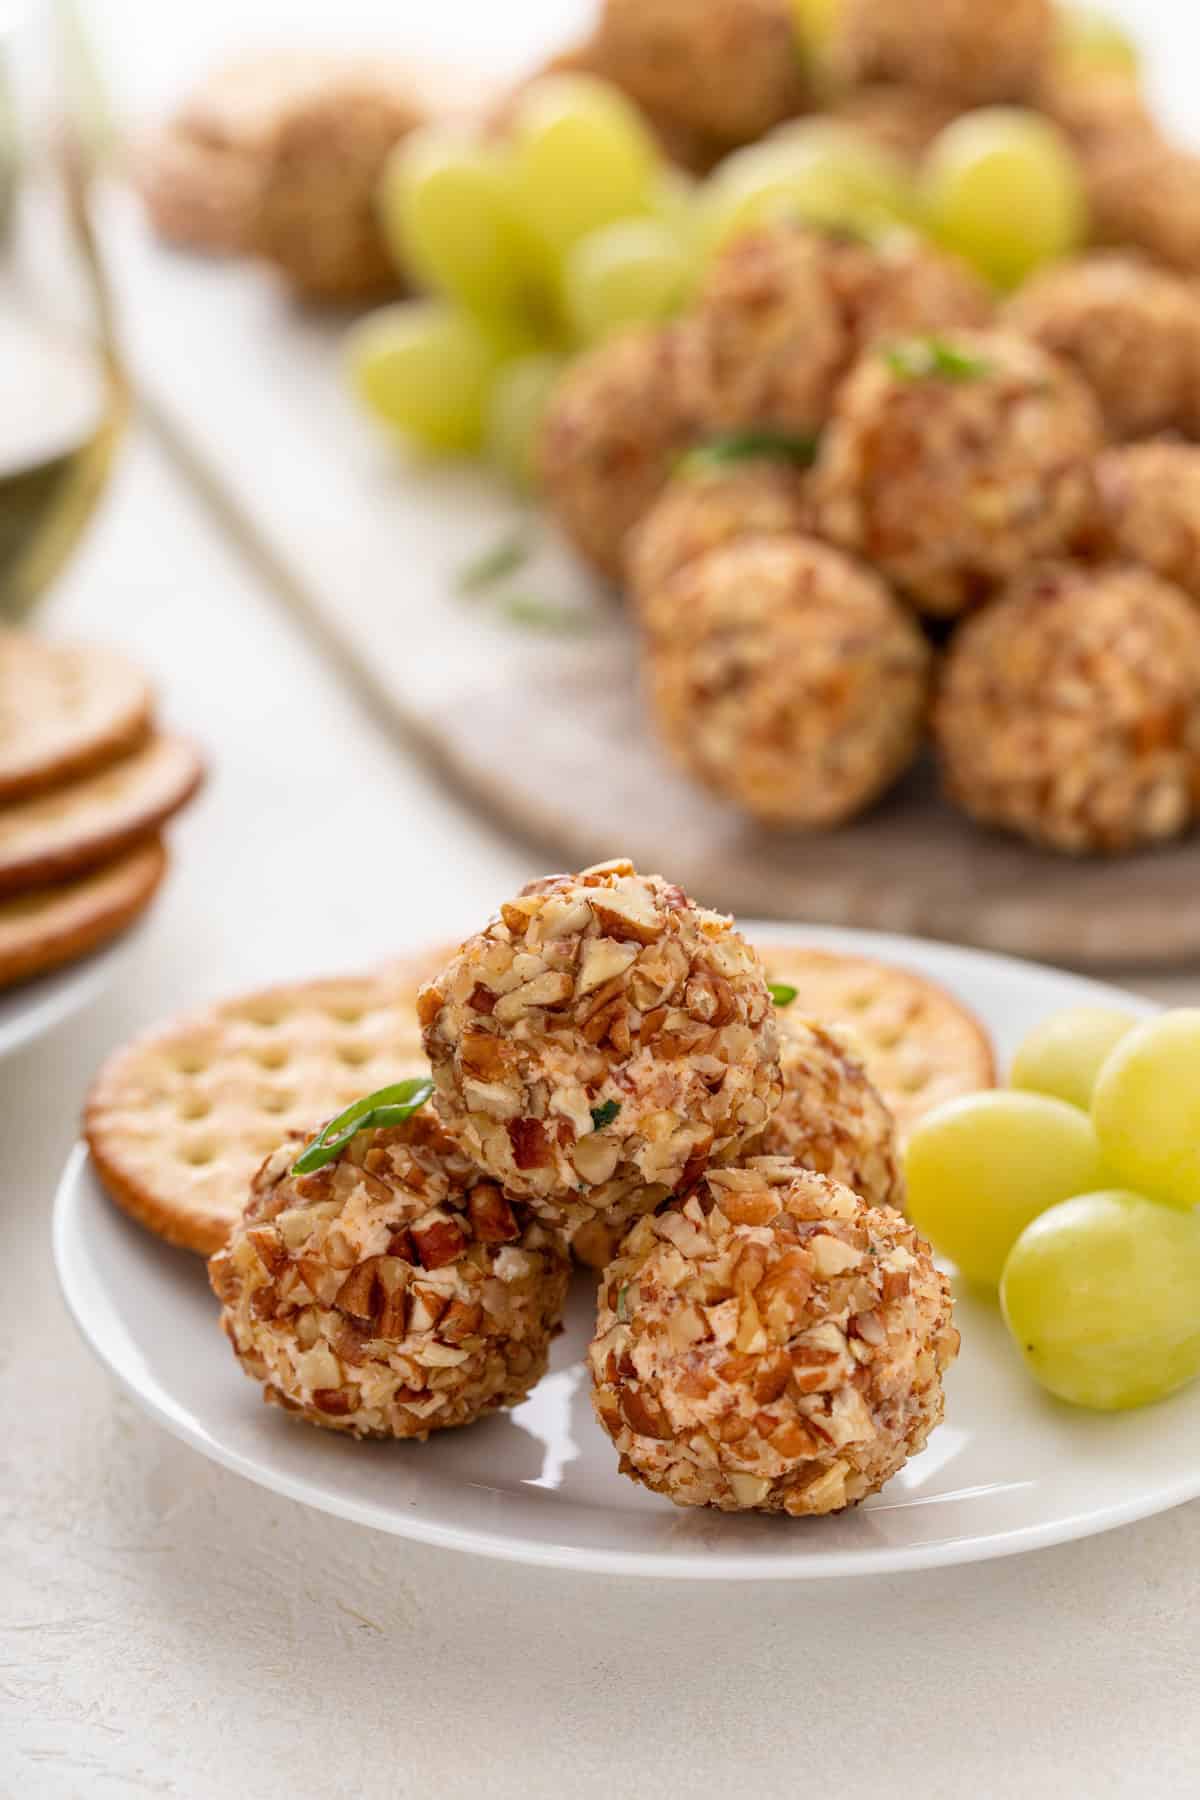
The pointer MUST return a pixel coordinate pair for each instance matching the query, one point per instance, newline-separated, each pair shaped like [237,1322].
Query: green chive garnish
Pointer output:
[797,448]
[781,993]
[490,566]
[388,1106]
[919,359]
[604,1115]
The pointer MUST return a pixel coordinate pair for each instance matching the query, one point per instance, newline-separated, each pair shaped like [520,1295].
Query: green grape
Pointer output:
[1063,1055]
[631,273]
[981,1167]
[815,22]
[674,201]
[516,401]
[1089,39]
[1102,1295]
[424,369]
[449,213]
[1146,1107]
[581,158]
[819,173]
[1003,188]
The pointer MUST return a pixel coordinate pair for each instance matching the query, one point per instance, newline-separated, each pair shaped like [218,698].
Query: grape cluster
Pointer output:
[1076,1192]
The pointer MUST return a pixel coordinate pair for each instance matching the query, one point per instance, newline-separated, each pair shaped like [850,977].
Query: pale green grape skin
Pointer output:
[449,213]
[424,369]
[1002,187]
[1064,1054]
[515,405]
[817,173]
[980,1168]
[675,202]
[1089,39]
[581,158]
[1146,1107]
[815,22]
[1102,1296]
[631,273]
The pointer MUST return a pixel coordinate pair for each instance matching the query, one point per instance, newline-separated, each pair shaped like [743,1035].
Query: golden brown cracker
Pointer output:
[48,927]
[65,711]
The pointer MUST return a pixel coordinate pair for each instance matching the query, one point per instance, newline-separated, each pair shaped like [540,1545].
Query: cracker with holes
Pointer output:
[47,927]
[92,820]
[179,1121]
[920,1045]
[65,711]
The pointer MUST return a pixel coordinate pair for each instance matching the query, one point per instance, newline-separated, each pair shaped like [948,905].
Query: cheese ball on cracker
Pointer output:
[973,51]
[1132,332]
[786,678]
[1148,509]
[786,310]
[771,1343]
[832,1118]
[600,1042]
[727,70]
[1069,711]
[614,425]
[953,460]
[709,505]
[394,1292]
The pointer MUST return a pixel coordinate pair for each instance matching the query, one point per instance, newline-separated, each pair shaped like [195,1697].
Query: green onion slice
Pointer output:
[782,994]
[797,448]
[919,358]
[387,1106]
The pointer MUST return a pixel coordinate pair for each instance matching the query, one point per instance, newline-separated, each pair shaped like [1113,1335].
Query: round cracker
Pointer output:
[65,710]
[92,821]
[48,927]
[920,1044]
[179,1121]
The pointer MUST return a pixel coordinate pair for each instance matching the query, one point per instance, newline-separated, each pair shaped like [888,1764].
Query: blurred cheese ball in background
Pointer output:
[786,678]
[599,1042]
[973,52]
[785,310]
[709,503]
[728,69]
[832,1118]
[952,460]
[1069,711]
[894,115]
[1148,509]
[612,428]
[1132,332]
[770,1343]
[1145,192]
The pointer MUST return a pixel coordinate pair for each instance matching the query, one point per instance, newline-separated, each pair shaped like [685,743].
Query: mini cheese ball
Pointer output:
[1069,711]
[1145,191]
[614,425]
[394,1292]
[785,311]
[709,505]
[1132,332]
[952,461]
[786,678]
[832,1118]
[895,115]
[771,1343]
[1148,509]
[973,50]
[728,70]
[600,1042]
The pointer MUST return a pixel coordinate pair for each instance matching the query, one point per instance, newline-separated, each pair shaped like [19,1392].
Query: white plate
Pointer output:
[1010,1470]
[36,1007]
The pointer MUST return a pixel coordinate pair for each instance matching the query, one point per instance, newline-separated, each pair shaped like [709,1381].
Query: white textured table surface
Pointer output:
[168,1630]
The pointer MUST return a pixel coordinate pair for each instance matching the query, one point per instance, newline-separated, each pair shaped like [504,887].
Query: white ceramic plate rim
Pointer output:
[30,1010]
[939,962]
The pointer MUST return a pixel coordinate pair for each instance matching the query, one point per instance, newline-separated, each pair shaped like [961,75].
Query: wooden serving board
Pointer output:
[546,733]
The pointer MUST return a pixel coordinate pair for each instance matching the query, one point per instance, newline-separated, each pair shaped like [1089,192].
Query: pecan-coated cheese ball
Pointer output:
[1148,509]
[770,1343]
[1145,191]
[614,425]
[1069,711]
[708,506]
[832,1118]
[394,1292]
[973,50]
[895,115]
[1132,332]
[786,678]
[786,310]
[600,1042]
[728,70]
[952,461]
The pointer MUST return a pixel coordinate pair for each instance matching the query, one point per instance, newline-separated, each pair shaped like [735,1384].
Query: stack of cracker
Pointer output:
[86,784]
